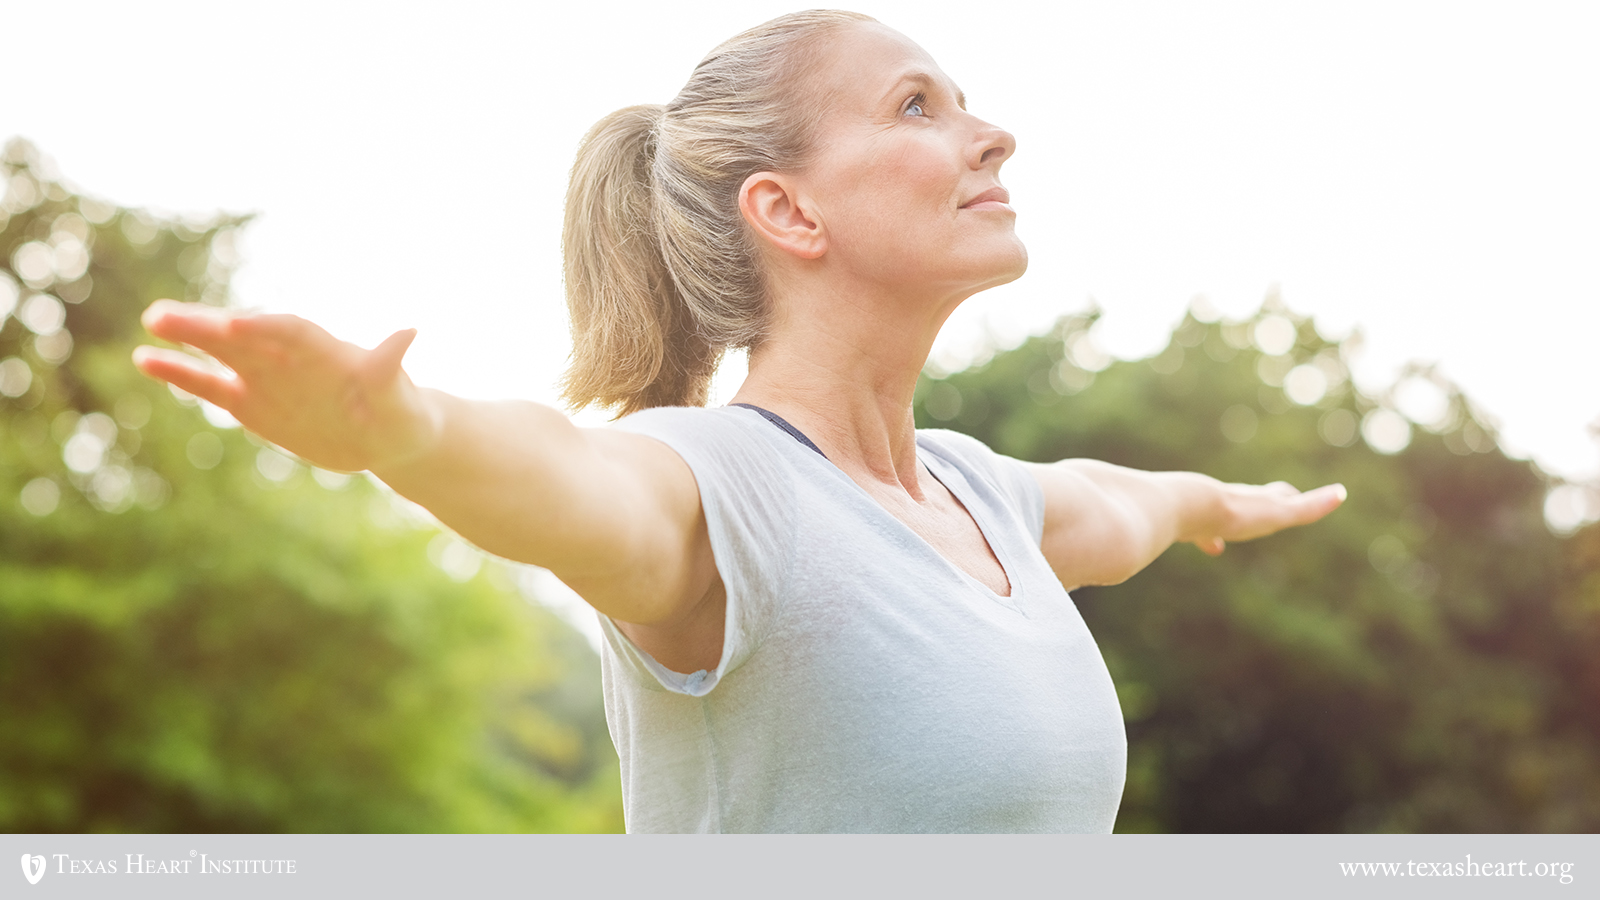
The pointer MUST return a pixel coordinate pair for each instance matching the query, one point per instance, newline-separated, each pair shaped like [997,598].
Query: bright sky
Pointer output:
[1423,170]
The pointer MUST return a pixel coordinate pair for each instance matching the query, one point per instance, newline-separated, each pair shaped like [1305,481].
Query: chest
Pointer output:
[907,699]
[948,528]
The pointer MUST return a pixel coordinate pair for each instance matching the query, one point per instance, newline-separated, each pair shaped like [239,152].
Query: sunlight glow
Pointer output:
[1338,427]
[9,295]
[43,314]
[83,453]
[40,496]
[15,377]
[333,481]
[455,558]
[1386,431]
[1274,335]
[1087,355]
[1569,507]
[541,586]
[204,450]
[275,466]
[1423,402]
[1305,385]
[54,348]
[216,415]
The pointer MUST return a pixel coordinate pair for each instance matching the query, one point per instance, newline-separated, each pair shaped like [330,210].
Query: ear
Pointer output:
[774,208]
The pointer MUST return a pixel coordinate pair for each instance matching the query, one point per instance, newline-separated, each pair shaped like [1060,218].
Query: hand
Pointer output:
[329,402]
[1246,511]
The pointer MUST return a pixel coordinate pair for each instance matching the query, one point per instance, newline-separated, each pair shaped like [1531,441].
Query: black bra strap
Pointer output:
[778,420]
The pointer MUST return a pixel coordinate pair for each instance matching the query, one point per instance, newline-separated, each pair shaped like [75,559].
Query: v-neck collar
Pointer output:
[953,481]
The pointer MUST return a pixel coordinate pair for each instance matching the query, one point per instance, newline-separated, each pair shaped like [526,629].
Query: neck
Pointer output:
[843,370]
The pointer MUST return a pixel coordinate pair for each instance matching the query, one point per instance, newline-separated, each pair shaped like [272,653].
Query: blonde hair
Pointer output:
[661,272]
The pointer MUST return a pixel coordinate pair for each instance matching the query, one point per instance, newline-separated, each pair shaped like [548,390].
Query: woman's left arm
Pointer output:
[1103,523]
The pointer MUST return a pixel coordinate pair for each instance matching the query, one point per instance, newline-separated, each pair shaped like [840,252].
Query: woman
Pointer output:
[817,618]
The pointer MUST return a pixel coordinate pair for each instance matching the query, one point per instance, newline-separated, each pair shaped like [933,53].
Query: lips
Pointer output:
[993,198]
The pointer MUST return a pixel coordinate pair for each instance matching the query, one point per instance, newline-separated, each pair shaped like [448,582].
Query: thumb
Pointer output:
[1322,501]
[384,361]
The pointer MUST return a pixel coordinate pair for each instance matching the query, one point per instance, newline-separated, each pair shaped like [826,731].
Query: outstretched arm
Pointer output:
[1104,523]
[617,516]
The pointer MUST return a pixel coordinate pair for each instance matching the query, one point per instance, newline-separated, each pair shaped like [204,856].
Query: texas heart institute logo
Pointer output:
[33,868]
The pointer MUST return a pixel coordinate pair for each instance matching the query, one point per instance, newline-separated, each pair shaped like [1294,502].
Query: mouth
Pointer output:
[994,198]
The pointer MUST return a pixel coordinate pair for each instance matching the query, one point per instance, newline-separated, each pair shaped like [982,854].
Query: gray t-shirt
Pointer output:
[866,684]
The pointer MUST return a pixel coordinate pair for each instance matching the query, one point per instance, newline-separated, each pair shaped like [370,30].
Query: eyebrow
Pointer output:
[927,81]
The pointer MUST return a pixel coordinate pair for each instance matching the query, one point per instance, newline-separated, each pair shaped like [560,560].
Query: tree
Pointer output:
[199,633]
[1419,661]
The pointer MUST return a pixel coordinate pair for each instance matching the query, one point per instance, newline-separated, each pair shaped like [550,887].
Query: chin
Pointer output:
[1007,266]
[1020,262]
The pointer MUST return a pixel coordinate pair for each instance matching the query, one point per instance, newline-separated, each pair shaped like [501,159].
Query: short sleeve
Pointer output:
[747,492]
[1009,477]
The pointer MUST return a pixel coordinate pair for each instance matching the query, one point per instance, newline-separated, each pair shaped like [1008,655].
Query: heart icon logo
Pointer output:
[33,868]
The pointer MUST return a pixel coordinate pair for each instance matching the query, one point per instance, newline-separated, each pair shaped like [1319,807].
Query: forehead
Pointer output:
[868,63]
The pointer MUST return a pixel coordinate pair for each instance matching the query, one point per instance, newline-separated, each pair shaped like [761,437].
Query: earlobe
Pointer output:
[775,210]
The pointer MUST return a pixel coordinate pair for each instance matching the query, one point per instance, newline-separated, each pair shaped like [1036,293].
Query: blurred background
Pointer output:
[1352,245]
[198,633]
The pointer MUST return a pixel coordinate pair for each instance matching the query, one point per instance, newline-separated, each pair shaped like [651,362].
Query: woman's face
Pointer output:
[905,181]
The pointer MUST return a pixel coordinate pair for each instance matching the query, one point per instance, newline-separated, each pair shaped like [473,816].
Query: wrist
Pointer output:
[1202,506]
[417,436]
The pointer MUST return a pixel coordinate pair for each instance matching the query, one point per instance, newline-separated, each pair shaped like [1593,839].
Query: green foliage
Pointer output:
[1422,660]
[197,634]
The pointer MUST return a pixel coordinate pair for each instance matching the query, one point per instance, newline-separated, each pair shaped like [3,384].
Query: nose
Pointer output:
[991,145]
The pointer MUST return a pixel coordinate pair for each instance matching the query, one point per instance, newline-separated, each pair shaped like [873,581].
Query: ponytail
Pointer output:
[635,344]
[662,275]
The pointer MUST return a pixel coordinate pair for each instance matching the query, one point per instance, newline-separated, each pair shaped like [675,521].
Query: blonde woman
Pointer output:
[818,618]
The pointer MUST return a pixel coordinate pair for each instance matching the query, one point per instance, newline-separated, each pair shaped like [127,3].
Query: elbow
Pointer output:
[1105,568]
[1110,576]
[1122,548]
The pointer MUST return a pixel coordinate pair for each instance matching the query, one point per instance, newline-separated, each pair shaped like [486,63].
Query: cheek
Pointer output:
[921,178]
[901,195]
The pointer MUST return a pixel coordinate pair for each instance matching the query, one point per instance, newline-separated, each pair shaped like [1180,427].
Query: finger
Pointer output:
[250,344]
[187,373]
[385,358]
[194,324]
[1212,546]
[1329,496]
[1313,505]
[281,327]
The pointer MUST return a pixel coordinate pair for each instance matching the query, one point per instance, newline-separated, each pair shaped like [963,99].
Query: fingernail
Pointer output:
[1339,490]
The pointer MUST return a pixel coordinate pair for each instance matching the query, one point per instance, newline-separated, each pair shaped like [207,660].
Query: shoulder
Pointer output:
[950,444]
[714,433]
[1011,478]
[968,452]
[744,467]
[689,419]
[744,472]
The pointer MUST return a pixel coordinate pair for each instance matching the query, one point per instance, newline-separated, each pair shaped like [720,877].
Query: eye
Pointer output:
[914,106]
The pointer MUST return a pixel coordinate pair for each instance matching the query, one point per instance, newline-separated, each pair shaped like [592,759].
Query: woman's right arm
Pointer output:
[615,515]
